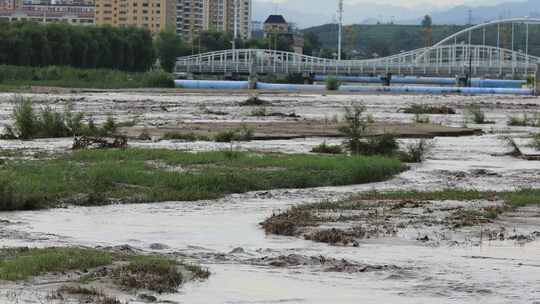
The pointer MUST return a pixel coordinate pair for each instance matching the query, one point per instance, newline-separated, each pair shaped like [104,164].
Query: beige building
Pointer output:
[154,15]
[194,16]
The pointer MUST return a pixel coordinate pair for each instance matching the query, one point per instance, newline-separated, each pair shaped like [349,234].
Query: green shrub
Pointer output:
[185,136]
[51,124]
[241,134]
[536,141]
[475,114]
[26,121]
[332,84]
[524,121]
[421,119]
[158,79]
[327,149]
[416,152]
[355,127]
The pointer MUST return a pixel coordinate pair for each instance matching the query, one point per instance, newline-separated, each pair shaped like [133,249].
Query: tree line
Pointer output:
[32,44]
[104,47]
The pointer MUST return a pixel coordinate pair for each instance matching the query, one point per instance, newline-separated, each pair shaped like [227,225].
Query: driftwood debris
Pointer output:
[87,142]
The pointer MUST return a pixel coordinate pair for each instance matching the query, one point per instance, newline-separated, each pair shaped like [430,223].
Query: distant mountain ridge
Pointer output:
[460,14]
[296,12]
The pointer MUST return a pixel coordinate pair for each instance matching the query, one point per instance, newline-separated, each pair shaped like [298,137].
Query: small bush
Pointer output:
[327,149]
[259,112]
[524,121]
[332,84]
[536,141]
[475,114]
[421,119]
[158,79]
[242,134]
[355,127]
[51,124]
[416,152]
[385,144]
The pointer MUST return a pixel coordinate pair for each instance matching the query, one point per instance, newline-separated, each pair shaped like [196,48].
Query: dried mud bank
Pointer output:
[426,251]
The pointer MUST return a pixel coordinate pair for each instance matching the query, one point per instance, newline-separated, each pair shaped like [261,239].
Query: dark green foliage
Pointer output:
[185,137]
[332,84]
[169,46]
[32,44]
[84,78]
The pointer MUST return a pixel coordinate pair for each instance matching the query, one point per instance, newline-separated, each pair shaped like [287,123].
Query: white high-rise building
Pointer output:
[233,16]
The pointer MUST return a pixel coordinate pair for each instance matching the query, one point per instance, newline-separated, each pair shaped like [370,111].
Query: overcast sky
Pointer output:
[319,4]
[312,12]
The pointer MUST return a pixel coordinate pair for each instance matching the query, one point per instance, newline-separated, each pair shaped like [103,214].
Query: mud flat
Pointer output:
[302,129]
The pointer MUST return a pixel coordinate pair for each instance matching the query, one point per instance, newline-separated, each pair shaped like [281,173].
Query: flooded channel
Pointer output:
[225,236]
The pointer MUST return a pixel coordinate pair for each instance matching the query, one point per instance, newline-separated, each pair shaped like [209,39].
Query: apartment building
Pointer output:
[191,17]
[233,16]
[154,15]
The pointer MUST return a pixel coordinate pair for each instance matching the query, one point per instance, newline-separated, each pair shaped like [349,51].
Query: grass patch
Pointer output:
[518,198]
[185,136]
[22,263]
[524,121]
[93,177]
[427,109]
[63,76]
[153,273]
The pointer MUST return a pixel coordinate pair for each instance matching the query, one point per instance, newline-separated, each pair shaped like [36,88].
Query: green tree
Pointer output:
[169,46]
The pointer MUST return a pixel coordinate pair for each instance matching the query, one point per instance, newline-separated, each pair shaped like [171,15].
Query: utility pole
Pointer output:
[235,20]
[340,30]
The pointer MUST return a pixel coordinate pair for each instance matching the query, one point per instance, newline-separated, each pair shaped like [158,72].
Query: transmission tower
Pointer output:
[340,25]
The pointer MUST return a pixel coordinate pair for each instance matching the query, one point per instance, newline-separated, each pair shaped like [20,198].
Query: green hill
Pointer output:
[363,41]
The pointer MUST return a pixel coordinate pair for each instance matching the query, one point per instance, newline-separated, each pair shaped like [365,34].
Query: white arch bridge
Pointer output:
[456,54]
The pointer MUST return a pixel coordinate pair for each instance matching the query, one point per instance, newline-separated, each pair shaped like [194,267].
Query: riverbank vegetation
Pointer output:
[84,270]
[48,123]
[69,77]
[95,177]
[397,208]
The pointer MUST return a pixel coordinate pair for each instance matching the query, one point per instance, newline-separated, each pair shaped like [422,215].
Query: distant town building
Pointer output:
[194,16]
[9,5]
[276,26]
[190,17]
[155,16]
[48,13]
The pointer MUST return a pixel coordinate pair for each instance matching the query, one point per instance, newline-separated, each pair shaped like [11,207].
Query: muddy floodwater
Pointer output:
[224,235]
